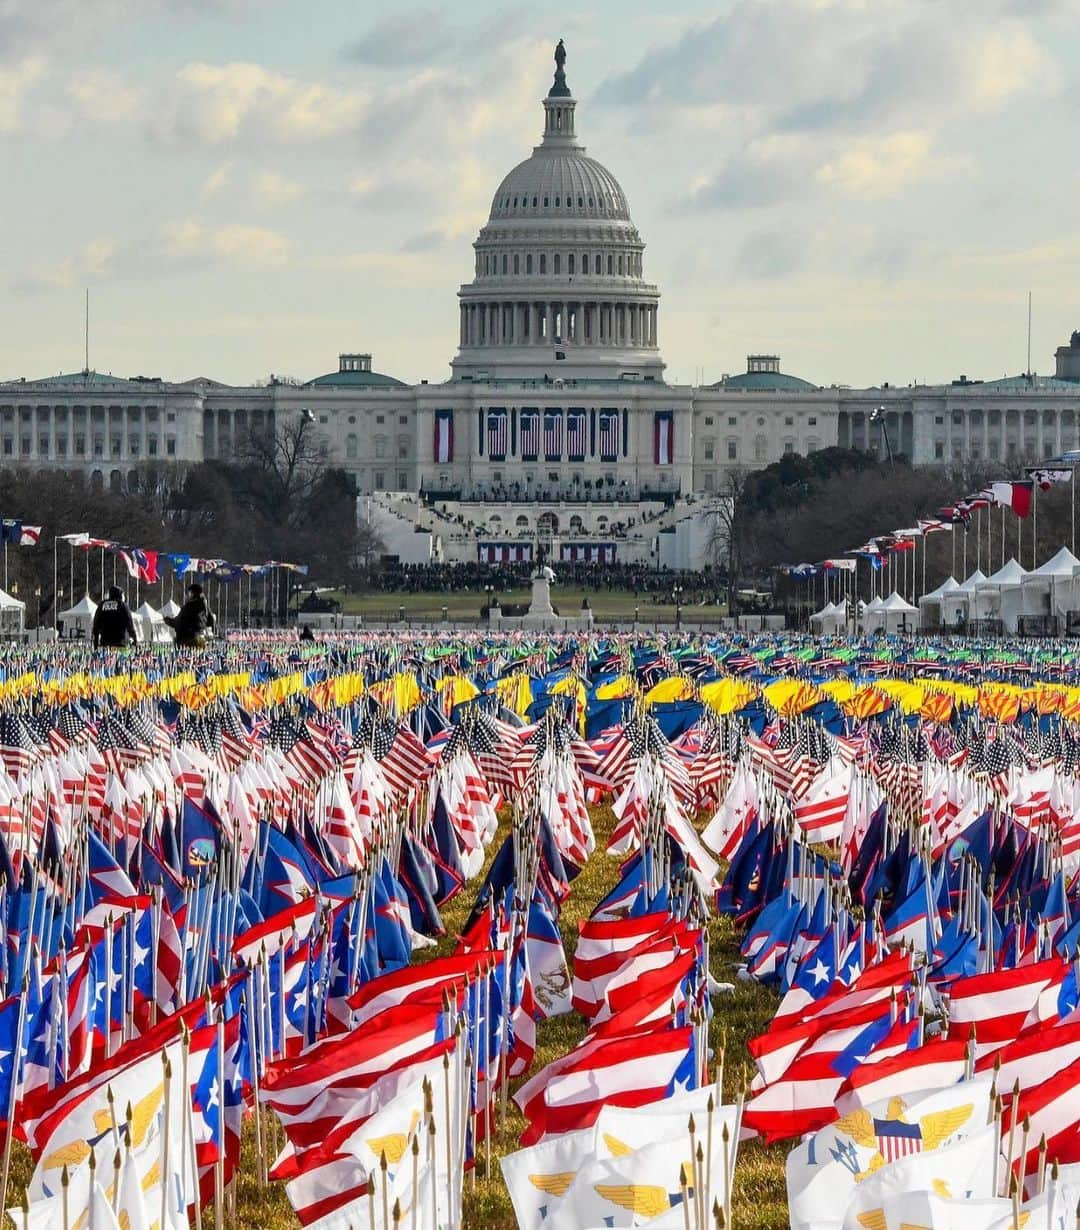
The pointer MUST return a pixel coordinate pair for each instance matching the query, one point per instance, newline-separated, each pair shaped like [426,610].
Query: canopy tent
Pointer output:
[831,619]
[12,615]
[893,614]
[170,610]
[999,596]
[868,612]
[957,604]
[150,625]
[931,605]
[1053,588]
[78,620]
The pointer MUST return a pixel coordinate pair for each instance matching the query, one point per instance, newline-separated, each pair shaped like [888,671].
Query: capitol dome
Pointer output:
[559,286]
[554,183]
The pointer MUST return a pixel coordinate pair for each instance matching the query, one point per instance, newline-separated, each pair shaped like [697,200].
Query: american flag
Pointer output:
[575,435]
[609,435]
[17,745]
[553,435]
[498,435]
[119,748]
[530,435]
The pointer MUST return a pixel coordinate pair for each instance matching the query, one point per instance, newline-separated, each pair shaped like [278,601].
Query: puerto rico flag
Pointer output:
[609,435]
[444,437]
[553,435]
[530,435]
[498,434]
[575,435]
[664,438]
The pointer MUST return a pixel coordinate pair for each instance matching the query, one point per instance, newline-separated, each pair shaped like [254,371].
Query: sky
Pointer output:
[868,188]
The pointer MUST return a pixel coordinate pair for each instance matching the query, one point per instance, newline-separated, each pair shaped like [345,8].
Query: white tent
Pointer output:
[12,615]
[1053,588]
[956,605]
[150,625]
[170,609]
[931,605]
[868,613]
[831,619]
[895,614]
[1000,597]
[78,620]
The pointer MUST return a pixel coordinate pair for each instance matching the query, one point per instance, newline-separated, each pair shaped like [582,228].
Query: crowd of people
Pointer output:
[661,586]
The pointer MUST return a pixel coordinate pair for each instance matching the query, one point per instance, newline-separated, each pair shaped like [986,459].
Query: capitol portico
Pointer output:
[556,424]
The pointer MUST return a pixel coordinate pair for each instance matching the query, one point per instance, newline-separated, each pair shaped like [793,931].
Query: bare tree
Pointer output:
[288,464]
[728,538]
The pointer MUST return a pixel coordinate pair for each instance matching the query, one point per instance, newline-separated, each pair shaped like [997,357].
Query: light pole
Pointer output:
[877,415]
[677,593]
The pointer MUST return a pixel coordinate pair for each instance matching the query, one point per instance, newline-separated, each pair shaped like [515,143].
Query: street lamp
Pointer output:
[677,593]
[877,415]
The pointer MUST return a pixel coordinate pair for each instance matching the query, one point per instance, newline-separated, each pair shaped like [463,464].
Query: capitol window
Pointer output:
[380,446]
[351,447]
[610,264]
[598,262]
[732,450]
[543,263]
[731,420]
[534,202]
[528,263]
[557,263]
[570,263]
[504,265]
[517,263]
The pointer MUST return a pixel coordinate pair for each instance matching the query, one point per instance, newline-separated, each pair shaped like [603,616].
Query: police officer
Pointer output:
[113,626]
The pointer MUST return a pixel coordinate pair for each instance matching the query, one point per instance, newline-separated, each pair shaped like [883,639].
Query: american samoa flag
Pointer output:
[609,435]
[553,435]
[575,435]
[498,434]
[530,435]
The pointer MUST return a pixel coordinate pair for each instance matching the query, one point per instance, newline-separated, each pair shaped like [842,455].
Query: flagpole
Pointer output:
[56,586]
[1034,524]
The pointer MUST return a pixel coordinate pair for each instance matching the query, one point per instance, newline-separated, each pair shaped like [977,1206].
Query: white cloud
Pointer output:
[879,166]
[103,97]
[272,188]
[215,181]
[15,84]
[188,240]
[219,104]
[1007,62]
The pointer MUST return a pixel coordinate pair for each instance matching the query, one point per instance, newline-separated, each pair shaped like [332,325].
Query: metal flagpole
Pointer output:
[56,585]
[1072,506]
[1034,524]
[1003,535]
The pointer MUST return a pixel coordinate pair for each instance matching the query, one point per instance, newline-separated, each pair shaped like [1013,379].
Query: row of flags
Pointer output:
[146,565]
[219,892]
[1016,495]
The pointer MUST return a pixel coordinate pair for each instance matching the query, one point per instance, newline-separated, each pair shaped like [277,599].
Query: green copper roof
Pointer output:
[767,382]
[356,380]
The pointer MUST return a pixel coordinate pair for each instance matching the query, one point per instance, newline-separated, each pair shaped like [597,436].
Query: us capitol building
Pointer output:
[556,425]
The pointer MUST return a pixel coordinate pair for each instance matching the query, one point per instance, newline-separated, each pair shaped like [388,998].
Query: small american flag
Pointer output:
[530,435]
[609,435]
[498,432]
[553,435]
[575,435]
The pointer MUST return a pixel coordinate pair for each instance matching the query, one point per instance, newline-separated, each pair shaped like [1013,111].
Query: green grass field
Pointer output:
[616,604]
[759,1195]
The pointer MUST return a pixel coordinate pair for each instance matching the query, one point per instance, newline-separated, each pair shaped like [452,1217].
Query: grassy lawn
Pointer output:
[759,1196]
[616,604]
